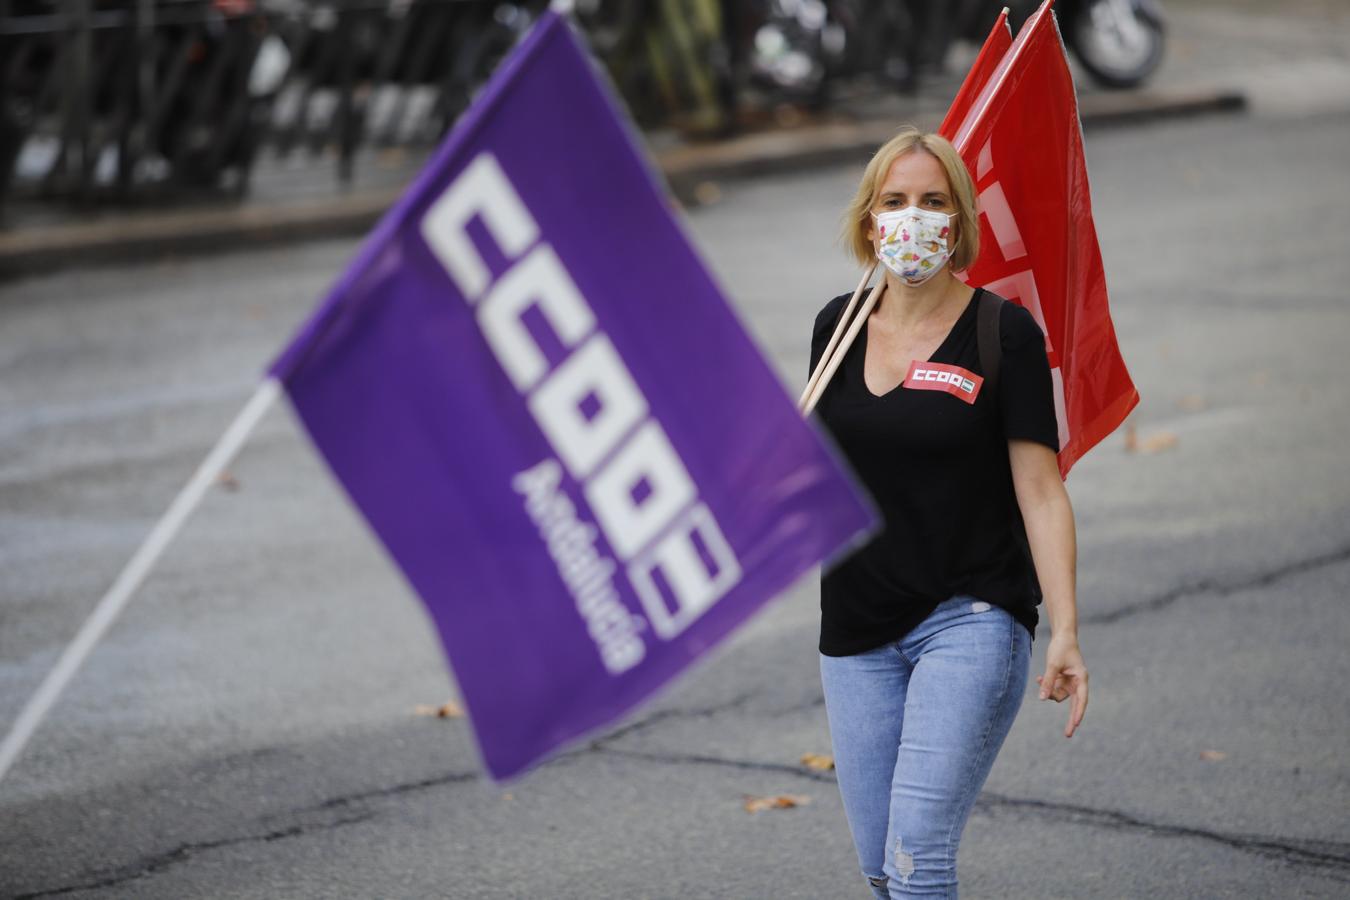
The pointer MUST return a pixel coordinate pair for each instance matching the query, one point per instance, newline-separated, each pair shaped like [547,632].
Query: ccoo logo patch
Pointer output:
[954,380]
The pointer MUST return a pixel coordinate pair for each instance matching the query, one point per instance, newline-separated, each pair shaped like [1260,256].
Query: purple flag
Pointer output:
[535,393]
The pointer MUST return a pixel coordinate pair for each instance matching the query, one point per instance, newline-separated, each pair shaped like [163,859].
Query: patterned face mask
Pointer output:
[914,242]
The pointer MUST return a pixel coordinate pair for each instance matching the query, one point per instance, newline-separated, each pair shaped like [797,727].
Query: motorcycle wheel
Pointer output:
[1119,45]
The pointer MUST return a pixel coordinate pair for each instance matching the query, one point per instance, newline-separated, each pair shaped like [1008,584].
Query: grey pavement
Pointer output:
[247,728]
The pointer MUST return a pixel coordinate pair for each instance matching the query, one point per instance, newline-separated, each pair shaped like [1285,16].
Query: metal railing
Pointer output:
[124,100]
[98,101]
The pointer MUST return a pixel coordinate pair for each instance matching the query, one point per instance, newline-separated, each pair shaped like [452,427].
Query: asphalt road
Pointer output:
[247,728]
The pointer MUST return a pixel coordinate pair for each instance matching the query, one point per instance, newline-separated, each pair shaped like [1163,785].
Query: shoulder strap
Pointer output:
[991,354]
[987,337]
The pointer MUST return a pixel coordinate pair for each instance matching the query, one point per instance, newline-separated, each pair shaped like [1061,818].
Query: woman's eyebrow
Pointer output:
[886,194]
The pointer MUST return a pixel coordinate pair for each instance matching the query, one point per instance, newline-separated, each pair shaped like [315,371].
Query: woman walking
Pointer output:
[925,636]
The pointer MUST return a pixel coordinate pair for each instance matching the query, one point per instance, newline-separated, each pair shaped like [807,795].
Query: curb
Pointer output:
[204,230]
[1106,109]
[207,230]
[780,151]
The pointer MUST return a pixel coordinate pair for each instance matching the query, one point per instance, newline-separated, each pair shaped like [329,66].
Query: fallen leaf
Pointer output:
[818,761]
[1131,438]
[1157,443]
[778,801]
[1213,755]
[227,481]
[450,710]
[707,193]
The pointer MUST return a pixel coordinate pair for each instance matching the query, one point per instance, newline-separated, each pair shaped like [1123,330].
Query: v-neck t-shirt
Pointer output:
[939,472]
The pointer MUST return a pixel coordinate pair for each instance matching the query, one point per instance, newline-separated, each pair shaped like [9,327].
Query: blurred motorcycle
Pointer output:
[800,46]
[1119,42]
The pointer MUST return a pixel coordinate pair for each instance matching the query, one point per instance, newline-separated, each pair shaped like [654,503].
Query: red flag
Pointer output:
[1022,141]
[993,51]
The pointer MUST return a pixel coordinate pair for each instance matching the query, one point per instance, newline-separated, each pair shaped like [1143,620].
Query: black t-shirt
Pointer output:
[938,469]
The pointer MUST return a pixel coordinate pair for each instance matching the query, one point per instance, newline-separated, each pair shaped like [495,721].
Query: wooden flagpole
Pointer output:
[829,364]
[834,341]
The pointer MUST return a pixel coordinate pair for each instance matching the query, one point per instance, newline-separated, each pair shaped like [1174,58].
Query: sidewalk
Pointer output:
[1217,58]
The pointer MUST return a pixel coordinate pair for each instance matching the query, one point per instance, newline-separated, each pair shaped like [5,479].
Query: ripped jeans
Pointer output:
[916,724]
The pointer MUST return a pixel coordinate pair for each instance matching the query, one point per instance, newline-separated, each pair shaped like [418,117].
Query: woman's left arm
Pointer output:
[1049,520]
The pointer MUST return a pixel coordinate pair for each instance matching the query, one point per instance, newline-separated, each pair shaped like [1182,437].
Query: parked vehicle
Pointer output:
[801,46]
[1119,42]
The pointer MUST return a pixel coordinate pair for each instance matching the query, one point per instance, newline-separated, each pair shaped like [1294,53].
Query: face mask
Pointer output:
[914,242]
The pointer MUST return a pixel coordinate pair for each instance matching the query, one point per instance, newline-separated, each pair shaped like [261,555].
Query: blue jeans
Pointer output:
[916,724]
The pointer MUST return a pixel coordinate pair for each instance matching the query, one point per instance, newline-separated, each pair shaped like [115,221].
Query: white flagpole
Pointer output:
[854,327]
[834,340]
[135,572]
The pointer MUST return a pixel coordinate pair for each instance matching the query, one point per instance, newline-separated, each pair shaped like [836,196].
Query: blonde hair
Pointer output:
[858,215]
